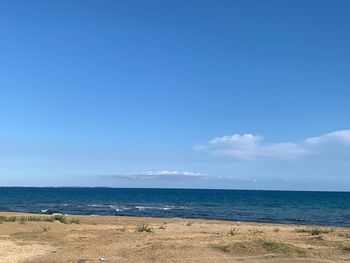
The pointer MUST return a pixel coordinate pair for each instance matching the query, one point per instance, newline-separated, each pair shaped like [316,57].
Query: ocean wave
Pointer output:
[164,208]
[98,205]
[50,211]
[118,208]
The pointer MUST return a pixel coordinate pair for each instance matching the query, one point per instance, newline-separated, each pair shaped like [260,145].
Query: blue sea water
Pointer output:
[310,208]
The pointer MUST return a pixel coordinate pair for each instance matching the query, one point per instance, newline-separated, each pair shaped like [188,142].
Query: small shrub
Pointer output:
[50,219]
[144,228]
[314,231]
[279,247]
[11,219]
[60,218]
[8,219]
[74,221]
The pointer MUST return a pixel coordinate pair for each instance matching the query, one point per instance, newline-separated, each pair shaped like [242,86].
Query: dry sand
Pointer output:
[116,239]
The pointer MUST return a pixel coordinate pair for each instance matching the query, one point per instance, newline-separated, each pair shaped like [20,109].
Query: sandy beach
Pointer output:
[40,238]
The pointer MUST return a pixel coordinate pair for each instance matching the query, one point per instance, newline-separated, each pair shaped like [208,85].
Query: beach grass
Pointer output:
[144,228]
[346,235]
[74,221]
[256,231]
[285,248]
[31,218]
[60,218]
[8,218]
[314,231]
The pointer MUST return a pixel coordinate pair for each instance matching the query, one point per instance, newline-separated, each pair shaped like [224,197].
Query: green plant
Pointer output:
[49,219]
[279,247]
[60,218]
[74,221]
[144,228]
[314,231]
[11,219]
[30,218]
[8,218]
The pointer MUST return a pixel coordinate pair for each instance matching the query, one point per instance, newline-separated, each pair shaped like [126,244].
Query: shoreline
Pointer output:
[179,218]
[85,239]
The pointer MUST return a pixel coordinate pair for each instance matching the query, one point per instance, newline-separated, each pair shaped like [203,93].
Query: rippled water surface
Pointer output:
[320,208]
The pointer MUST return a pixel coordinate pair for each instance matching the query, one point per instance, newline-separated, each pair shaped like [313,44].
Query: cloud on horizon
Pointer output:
[164,174]
[251,147]
[172,175]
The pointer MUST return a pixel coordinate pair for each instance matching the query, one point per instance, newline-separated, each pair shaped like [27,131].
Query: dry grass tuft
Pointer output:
[314,231]
[256,231]
[233,232]
[144,228]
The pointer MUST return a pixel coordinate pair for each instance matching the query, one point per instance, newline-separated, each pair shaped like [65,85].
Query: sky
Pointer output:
[179,94]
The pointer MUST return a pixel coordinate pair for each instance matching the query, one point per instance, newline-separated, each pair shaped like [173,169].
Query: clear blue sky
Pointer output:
[210,94]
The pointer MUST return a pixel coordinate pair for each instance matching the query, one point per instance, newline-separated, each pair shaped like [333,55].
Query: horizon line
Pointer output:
[182,188]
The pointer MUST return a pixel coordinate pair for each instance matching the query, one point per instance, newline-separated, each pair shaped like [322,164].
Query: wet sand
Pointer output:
[122,239]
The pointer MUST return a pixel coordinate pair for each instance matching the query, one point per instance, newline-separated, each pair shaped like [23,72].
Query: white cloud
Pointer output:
[166,175]
[248,146]
[337,137]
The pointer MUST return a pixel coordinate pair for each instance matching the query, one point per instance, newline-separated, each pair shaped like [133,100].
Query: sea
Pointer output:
[286,207]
